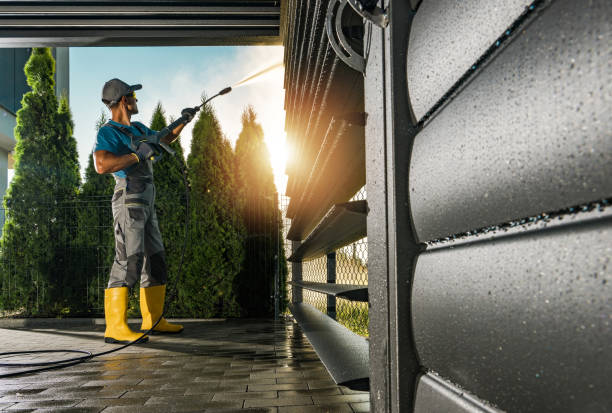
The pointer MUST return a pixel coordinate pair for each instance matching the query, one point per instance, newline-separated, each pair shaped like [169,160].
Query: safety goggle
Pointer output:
[132,94]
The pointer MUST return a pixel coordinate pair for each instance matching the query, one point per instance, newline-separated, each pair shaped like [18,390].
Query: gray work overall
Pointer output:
[139,250]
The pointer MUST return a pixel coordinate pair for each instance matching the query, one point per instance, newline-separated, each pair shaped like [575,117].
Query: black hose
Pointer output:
[51,365]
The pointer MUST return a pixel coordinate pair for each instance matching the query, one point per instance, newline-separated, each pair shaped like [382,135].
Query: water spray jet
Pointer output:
[250,78]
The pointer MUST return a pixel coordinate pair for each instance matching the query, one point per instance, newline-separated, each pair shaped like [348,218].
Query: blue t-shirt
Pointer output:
[112,140]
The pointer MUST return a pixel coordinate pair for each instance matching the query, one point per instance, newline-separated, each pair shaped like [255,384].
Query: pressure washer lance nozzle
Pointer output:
[222,92]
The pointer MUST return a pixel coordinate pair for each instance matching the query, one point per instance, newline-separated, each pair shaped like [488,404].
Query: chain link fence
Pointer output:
[60,264]
[351,263]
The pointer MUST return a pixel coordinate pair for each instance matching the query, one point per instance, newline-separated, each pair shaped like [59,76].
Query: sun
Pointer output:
[277,148]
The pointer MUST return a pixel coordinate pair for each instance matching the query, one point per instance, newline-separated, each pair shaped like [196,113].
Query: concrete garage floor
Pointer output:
[213,366]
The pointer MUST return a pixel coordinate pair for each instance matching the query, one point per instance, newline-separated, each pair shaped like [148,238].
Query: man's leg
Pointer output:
[153,281]
[129,221]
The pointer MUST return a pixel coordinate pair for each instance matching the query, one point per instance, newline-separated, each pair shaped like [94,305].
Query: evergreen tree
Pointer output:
[260,211]
[215,249]
[95,233]
[97,185]
[37,236]
[170,205]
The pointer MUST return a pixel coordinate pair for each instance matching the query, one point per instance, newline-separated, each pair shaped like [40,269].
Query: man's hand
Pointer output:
[188,114]
[144,151]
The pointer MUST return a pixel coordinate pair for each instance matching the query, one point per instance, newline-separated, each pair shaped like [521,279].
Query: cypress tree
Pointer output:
[216,232]
[170,206]
[95,233]
[260,211]
[37,234]
[97,185]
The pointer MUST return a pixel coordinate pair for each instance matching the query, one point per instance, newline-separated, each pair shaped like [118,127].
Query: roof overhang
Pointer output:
[56,23]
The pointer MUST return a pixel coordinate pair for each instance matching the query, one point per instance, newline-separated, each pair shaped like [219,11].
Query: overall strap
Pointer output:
[142,132]
[125,131]
[128,133]
[158,146]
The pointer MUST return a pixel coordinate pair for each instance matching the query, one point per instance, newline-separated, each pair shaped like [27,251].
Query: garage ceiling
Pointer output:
[58,23]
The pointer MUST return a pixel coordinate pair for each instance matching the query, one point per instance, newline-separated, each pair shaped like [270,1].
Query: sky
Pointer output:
[177,77]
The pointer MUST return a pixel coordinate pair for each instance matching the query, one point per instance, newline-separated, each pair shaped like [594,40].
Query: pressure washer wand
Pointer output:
[168,129]
[222,92]
[180,120]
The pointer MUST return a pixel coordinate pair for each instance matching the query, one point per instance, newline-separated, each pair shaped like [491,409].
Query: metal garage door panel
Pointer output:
[446,38]
[524,321]
[531,134]
[434,396]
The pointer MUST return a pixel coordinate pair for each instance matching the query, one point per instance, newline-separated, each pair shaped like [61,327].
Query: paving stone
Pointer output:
[128,382]
[271,374]
[237,376]
[239,369]
[137,387]
[287,369]
[252,410]
[223,366]
[289,380]
[71,410]
[137,394]
[137,409]
[35,397]
[43,404]
[245,395]
[228,380]
[316,392]
[7,387]
[34,379]
[194,400]
[321,384]
[59,395]
[113,402]
[20,392]
[339,408]
[267,387]
[68,389]
[165,380]
[234,388]
[225,404]
[344,398]
[287,401]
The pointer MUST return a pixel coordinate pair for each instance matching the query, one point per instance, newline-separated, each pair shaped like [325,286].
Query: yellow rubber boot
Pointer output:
[115,313]
[152,307]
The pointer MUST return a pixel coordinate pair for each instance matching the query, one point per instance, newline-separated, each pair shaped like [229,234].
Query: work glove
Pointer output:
[188,114]
[144,151]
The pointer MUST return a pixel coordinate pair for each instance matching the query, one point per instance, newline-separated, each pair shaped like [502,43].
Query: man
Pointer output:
[139,251]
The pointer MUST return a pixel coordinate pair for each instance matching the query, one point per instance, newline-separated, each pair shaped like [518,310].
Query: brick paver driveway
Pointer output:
[213,366]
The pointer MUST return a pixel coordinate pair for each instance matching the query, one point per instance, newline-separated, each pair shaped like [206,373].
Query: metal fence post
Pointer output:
[331,279]
[296,275]
[277,236]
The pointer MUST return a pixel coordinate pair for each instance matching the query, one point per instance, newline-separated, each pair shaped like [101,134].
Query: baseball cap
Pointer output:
[115,89]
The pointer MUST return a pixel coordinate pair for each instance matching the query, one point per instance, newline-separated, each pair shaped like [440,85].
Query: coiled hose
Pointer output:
[58,364]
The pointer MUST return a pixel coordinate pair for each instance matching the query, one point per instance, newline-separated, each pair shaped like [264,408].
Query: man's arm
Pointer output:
[107,162]
[172,136]
[187,116]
